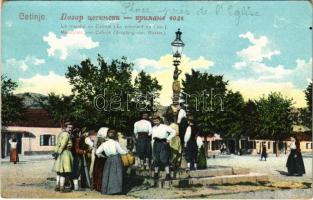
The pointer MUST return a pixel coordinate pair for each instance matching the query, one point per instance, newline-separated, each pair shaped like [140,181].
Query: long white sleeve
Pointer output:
[89,142]
[181,115]
[119,149]
[187,134]
[150,129]
[100,150]
[135,129]
[199,142]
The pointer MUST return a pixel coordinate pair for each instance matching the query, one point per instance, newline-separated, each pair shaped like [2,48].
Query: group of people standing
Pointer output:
[161,146]
[94,156]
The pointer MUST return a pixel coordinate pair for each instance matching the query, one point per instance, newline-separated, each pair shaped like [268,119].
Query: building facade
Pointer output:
[254,145]
[35,135]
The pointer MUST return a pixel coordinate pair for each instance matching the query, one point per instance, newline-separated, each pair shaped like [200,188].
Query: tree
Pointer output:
[204,94]
[306,113]
[216,109]
[274,115]
[104,95]
[230,122]
[308,96]
[12,106]
[100,92]
[148,88]
[60,107]
[250,119]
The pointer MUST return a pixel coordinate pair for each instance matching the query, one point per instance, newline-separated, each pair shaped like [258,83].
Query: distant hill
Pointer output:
[30,100]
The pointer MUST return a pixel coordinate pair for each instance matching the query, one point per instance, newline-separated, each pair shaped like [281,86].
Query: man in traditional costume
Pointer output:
[162,136]
[142,131]
[80,163]
[190,142]
[176,148]
[182,122]
[263,153]
[64,159]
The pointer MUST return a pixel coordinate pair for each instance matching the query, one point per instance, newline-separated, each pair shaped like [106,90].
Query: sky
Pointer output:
[259,47]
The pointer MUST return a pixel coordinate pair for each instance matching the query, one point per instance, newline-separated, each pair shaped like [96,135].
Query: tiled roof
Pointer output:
[36,118]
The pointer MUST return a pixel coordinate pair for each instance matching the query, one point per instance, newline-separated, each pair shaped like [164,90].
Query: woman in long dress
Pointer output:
[99,161]
[201,158]
[112,178]
[13,151]
[295,163]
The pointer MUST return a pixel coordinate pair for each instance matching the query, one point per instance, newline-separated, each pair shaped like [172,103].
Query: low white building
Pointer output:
[35,135]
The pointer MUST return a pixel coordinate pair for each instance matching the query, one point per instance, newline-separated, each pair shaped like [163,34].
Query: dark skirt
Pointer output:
[161,153]
[295,163]
[77,165]
[143,148]
[201,162]
[112,180]
[14,156]
[300,164]
[84,171]
[97,174]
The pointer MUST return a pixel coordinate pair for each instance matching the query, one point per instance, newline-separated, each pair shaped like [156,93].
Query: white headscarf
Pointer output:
[103,131]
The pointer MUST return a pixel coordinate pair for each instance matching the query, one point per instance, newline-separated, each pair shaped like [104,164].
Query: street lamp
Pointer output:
[178,46]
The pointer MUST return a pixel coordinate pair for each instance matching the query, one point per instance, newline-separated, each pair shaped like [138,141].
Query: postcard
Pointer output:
[156,99]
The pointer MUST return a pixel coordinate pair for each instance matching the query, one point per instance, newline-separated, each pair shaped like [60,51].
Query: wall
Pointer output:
[32,144]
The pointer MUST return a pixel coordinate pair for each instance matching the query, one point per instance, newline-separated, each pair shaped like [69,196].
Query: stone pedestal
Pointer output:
[213,175]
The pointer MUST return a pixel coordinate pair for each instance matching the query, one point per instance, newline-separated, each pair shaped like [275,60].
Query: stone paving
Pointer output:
[275,167]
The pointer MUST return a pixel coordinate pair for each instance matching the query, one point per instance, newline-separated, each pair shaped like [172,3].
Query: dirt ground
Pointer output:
[33,178]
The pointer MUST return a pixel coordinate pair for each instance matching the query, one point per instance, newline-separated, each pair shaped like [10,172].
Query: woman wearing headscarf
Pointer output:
[98,160]
[13,151]
[201,158]
[295,163]
[112,179]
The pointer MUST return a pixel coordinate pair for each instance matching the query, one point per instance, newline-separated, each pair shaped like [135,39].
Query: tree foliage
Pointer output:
[306,113]
[308,96]
[274,115]
[12,109]
[147,89]
[105,95]
[60,107]
[216,109]
[250,121]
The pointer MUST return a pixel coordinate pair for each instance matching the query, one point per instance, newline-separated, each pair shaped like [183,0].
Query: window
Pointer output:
[47,140]
[308,145]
